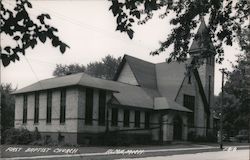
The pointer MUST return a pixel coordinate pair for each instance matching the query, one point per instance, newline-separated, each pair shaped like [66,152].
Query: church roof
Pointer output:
[169,78]
[161,80]
[144,71]
[162,103]
[126,94]
[202,40]
[81,79]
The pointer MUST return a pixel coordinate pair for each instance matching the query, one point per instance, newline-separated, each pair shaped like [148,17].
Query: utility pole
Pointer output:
[221,111]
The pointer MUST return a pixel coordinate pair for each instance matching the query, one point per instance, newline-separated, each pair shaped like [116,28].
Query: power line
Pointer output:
[89,27]
[33,72]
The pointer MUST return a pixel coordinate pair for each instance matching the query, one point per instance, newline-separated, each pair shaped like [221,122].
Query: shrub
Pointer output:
[17,136]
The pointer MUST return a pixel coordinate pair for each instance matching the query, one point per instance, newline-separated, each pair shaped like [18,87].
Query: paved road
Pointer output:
[220,155]
[103,153]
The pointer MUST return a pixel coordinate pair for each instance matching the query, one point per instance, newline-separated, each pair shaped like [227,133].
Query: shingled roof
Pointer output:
[80,79]
[126,94]
[169,78]
[144,71]
[202,40]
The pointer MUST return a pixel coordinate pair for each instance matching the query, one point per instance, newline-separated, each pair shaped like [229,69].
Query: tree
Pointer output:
[26,32]
[104,69]
[62,70]
[7,107]
[226,19]
[236,107]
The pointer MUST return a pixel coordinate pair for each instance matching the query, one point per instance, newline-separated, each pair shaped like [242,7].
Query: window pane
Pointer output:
[25,109]
[36,113]
[49,106]
[102,104]
[114,117]
[189,102]
[147,119]
[126,118]
[137,118]
[89,106]
[63,105]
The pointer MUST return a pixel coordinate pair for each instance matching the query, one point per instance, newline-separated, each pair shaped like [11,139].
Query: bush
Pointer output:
[17,136]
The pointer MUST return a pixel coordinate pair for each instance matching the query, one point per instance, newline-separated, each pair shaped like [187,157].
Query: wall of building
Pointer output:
[70,125]
[199,113]
[131,127]
[18,111]
[127,76]
[95,127]
[206,70]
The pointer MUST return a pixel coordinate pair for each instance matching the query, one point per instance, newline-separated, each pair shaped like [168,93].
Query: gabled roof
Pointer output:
[162,103]
[143,71]
[202,42]
[81,79]
[126,94]
[130,95]
[169,78]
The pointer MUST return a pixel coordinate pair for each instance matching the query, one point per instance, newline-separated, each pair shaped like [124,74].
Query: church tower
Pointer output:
[203,48]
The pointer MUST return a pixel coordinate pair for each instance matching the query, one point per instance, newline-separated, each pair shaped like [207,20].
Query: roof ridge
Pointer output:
[126,55]
[109,80]
[61,76]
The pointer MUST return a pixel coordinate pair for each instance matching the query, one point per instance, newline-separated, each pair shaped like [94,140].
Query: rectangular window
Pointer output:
[147,119]
[102,106]
[209,89]
[114,117]
[63,105]
[49,106]
[189,102]
[89,106]
[126,118]
[208,122]
[189,79]
[137,118]
[25,109]
[36,110]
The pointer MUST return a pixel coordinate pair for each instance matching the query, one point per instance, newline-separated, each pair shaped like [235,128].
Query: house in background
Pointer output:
[163,101]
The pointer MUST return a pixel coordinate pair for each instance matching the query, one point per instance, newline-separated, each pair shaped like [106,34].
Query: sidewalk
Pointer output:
[47,152]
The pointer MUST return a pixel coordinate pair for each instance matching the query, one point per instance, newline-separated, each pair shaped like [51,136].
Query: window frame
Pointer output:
[137,119]
[102,107]
[147,120]
[189,102]
[114,117]
[36,108]
[63,96]
[126,118]
[49,107]
[25,108]
[89,104]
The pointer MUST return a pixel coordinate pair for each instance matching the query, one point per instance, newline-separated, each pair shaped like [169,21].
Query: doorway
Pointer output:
[177,127]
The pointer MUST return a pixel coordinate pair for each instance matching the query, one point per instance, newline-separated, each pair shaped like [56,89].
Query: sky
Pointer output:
[88,27]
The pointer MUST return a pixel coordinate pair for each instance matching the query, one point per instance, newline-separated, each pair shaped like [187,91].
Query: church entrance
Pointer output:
[177,127]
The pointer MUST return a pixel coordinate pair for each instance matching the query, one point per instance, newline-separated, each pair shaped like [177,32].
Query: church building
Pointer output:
[165,101]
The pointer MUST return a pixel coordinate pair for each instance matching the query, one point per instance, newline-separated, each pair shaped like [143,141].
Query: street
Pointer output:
[220,155]
[169,152]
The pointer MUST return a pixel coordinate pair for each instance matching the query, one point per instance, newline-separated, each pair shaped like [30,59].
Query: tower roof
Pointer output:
[202,40]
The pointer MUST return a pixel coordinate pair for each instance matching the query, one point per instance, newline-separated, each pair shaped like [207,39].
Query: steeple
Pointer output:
[202,42]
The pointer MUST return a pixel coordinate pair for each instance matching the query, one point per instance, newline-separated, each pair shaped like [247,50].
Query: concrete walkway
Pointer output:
[41,152]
